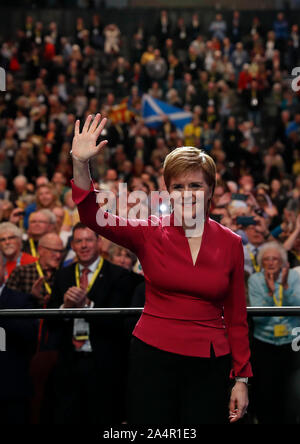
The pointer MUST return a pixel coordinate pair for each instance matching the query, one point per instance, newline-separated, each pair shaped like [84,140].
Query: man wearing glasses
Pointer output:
[11,248]
[37,278]
[40,223]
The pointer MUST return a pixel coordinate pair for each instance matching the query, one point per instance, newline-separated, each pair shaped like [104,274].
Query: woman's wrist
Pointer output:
[81,174]
[244,380]
[76,159]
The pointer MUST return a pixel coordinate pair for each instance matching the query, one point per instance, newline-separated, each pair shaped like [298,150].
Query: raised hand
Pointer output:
[270,281]
[284,276]
[84,145]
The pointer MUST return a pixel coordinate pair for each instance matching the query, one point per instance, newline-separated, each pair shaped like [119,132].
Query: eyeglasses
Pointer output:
[54,250]
[270,259]
[38,221]
[9,238]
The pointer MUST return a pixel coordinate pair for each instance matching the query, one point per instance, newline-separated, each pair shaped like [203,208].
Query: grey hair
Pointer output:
[8,226]
[48,213]
[272,245]
[20,176]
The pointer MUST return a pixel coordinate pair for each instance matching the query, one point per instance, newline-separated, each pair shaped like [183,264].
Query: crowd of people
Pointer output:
[236,83]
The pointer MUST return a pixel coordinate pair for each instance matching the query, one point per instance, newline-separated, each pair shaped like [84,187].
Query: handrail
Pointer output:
[94,312]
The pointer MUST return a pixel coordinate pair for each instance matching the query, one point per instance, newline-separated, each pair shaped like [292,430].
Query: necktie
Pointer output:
[84,278]
[84,285]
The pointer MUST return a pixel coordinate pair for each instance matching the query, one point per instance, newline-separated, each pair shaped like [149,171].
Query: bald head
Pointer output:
[50,250]
[49,240]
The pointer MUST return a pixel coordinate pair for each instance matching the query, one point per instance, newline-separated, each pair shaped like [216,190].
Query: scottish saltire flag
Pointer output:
[153,111]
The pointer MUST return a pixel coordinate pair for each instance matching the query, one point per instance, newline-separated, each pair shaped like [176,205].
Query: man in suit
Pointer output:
[21,337]
[90,379]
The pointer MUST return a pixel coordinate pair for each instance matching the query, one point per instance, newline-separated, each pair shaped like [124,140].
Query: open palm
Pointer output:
[84,145]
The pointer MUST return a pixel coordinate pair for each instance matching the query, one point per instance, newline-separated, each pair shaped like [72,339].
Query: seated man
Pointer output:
[11,248]
[37,278]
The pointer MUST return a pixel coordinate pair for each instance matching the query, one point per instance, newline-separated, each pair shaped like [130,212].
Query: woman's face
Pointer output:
[195,183]
[123,259]
[275,185]
[271,261]
[45,197]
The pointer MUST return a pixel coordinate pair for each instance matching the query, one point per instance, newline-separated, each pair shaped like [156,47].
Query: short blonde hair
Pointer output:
[188,158]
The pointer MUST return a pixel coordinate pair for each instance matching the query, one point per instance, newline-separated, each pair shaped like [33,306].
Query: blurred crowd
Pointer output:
[236,82]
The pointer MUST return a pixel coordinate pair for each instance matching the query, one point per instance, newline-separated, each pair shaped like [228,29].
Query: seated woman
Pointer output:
[274,360]
[45,197]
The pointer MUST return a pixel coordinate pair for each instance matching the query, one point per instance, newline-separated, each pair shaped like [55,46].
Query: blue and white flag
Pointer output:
[153,112]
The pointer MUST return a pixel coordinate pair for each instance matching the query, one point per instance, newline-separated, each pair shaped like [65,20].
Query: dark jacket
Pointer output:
[21,340]
[113,287]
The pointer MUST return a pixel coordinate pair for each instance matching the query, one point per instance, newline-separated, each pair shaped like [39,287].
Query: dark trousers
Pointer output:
[84,393]
[170,389]
[14,411]
[276,383]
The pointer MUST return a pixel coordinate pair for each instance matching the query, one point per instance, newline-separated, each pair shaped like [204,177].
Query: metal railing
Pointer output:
[94,312]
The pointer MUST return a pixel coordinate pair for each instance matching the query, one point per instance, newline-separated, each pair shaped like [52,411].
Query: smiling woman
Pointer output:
[273,358]
[193,335]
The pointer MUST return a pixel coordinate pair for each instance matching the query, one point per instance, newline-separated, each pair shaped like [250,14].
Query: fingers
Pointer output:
[87,124]
[235,416]
[95,123]
[77,126]
[232,404]
[38,282]
[238,405]
[101,144]
[92,127]
[76,291]
[74,295]
[100,127]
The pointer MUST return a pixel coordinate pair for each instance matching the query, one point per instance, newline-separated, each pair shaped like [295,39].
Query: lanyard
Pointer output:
[18,263]
[277,302]
[97,271]
[252,257]
[41,274]
[49,291]
[32,247]
[296,255]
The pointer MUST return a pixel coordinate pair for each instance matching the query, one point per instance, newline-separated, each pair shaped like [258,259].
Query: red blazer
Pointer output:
[188,307]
